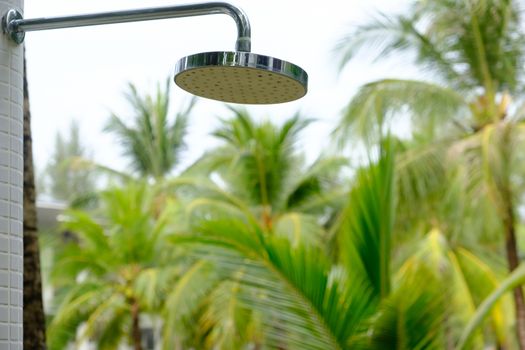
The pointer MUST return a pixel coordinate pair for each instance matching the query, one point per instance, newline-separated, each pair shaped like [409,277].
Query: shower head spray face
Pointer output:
[241,77]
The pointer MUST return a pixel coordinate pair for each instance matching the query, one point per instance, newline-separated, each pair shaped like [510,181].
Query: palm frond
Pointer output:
[226,320]
[482,280]
[73,260]
[318,179]
[468,280]
[485,35]
[299,227]
[153,284]
[202,193]
[90,231]
[366,230]
[83,164]
[119,258]
[262,157]
[152,143]
[383,35]
[436,257]
[515,279]
[422,182]
[184,299]
[301,305]
[469,44]
[386,35]
[109,312]
[488,160]
[412,316]
[114,330]
[75,309]
[374,108]
[209,162]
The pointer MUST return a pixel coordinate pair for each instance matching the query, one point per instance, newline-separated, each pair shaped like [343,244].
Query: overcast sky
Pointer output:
[81,73]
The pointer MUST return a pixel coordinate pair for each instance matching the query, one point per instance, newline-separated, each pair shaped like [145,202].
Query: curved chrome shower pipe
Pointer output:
[14,25]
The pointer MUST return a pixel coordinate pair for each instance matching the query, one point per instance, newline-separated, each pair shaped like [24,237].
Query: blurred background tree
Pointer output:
[253,247]
[61,180]
[467,114]
[152,143]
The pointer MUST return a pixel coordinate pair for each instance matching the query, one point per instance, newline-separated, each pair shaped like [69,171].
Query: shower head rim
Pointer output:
[246,60]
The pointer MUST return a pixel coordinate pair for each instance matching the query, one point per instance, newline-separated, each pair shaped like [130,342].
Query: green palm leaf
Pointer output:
[153,143]
[411,317]
[226,322]
[119,262]
[386,35]
[78,304]
[377,105]
[515,279]
[366,229]
[301,305]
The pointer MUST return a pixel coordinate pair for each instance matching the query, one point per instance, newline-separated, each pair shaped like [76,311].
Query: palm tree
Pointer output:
[469,115]
[258,177]
[304,301]
[152,144]
[259,172]
[116,271]
[34,318]
[64,183]
[371,225]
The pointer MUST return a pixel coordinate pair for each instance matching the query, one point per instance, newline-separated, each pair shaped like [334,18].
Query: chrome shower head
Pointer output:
[238,77]
[241,77]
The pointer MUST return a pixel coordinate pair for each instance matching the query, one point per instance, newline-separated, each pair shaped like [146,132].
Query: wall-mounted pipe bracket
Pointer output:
[7,26]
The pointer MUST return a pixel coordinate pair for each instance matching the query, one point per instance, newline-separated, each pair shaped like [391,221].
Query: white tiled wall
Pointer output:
[11,167]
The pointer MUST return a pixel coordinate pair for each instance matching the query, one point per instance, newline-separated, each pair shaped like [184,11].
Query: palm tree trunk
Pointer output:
[513,262]
[34,321]
[135,332]
[509,225]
